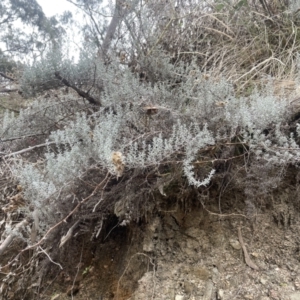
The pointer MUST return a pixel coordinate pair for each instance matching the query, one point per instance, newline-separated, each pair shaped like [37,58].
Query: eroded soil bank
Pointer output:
[190,250]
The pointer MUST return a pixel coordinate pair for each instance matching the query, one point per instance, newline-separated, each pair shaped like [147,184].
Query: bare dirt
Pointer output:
[189,250]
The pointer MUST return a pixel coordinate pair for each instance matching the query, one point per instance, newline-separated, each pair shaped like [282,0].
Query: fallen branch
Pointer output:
[21,137]
[69,234]
[6,76]
[28,149]
[8,90]
[79,92]
[248,260]
[13,234]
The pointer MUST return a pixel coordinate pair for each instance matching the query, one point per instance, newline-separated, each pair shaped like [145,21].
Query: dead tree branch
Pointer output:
[9,90]
[248,260]
[28,149]
[13,234]
[79,92]
[7,77]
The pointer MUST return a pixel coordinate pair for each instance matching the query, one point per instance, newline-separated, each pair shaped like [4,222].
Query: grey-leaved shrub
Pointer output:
[192,112]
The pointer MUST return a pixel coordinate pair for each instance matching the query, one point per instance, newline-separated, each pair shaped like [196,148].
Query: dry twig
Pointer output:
[248,260]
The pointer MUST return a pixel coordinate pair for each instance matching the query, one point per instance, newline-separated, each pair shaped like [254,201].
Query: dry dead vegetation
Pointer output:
[147,234]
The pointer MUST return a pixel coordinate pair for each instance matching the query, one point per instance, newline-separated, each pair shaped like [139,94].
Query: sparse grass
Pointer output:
[242,41]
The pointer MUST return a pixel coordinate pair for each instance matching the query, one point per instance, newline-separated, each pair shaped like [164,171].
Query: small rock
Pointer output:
[179,297]
[255,254]
[297,283]
[263,281]
[148,245]
[220,294]
[193,232]
[208,290]
[235,244]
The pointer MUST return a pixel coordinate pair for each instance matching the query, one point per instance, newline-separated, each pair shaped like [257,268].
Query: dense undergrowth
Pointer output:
[195,96]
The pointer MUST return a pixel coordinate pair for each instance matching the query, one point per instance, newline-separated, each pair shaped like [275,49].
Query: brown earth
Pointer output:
[189,250]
